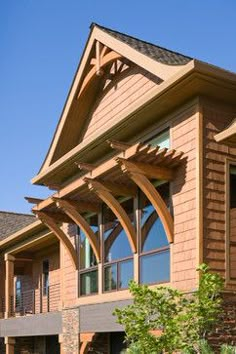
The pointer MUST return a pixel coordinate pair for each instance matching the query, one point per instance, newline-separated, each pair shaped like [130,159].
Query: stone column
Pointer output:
[10,345]
[9,285]
[70,330]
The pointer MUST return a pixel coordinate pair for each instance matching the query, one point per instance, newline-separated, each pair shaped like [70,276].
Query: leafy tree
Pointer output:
[183,320]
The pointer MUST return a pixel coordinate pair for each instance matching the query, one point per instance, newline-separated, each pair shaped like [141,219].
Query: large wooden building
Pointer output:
[143,171]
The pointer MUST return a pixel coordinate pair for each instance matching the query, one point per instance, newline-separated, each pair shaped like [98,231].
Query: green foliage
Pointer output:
[227,349]
[184,319]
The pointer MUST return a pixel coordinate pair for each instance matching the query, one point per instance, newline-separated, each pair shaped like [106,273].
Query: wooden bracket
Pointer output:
[69,208]
[99,63]
[105,195]
[137,174]
[148,170]
[59,233]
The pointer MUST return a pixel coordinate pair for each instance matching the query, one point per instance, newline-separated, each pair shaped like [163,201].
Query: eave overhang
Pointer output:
[194,79]
[36,228]
[228,135]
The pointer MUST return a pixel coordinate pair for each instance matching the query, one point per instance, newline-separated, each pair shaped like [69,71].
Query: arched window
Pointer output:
[154,245]
[118,257]
[88,275]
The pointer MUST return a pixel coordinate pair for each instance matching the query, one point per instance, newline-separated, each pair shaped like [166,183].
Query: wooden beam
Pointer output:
[119,189]
[81,205]
[53,186]
[148,170]
[118,145]
[70,209]
[33,200]
[24,259]
[85,166]
[85,340]
[58,216]
[104,194]
[59,233]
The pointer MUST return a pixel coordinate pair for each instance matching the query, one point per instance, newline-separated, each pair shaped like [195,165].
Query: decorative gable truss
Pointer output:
[109,57]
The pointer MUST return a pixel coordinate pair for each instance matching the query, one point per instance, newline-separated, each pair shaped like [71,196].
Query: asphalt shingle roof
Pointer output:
[11,222]
[160,54]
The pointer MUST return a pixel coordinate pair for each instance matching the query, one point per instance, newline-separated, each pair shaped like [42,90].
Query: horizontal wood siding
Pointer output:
[183,189]
[69,274]
[216,117]
[115,100]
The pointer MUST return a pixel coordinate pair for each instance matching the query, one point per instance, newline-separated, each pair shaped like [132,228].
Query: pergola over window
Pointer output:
[129,194]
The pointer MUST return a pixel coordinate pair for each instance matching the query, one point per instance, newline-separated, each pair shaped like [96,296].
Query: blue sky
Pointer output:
[41,42]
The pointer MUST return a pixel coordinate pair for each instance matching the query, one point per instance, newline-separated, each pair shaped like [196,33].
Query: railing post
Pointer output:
[41,300]
[48,299]
[33,302]
[9,284]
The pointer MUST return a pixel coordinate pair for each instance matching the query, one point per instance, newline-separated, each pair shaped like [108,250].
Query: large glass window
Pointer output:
[232,223]
[118,258]
[155,253]
[87,260]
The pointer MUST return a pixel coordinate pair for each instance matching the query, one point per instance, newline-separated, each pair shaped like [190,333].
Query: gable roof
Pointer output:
[160,54]
[160,62]
[11,222]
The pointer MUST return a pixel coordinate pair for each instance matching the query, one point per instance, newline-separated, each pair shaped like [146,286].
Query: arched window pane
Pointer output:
[116,244]
[152,230]
[153,233]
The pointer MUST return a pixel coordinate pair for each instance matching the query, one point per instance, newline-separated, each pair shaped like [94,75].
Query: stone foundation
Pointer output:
[70,331]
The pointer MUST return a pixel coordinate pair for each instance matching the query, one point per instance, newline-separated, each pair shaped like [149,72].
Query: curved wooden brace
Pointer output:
[52,225]
[107,59]
[104,194]
[71,211]
[155,198]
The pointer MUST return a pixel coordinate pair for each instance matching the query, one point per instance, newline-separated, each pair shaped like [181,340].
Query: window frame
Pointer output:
[155,251]
[90,269]
[117,261]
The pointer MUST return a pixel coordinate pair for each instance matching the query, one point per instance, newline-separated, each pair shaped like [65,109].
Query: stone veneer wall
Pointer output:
[70,330]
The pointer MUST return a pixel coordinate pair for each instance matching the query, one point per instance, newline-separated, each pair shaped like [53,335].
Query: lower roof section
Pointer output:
[33,325]
[99,317]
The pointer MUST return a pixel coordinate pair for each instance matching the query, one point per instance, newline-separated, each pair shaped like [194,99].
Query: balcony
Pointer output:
[33,301]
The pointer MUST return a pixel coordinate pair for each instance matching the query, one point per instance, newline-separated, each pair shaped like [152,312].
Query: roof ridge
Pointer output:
[93,24]
[15,213]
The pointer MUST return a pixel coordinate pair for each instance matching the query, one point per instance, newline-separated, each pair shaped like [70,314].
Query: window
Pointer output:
[162,140]
[232,222]
[88,275]
[155,252]
[45,277]
[118,257]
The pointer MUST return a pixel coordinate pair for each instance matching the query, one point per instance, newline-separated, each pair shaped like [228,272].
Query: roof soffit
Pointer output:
[157,68]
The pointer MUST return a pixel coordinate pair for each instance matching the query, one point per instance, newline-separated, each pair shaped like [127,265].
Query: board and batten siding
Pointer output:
[216,117]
